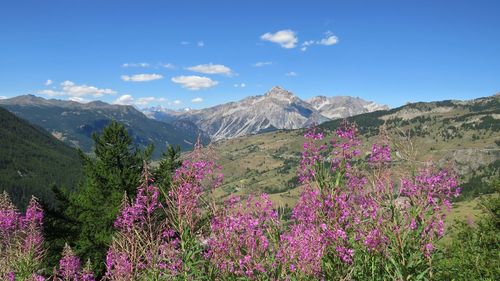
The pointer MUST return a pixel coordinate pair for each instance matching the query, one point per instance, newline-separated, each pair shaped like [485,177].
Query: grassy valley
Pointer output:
[464,135]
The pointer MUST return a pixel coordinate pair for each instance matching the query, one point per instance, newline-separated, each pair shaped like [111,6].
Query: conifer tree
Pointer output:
[114,170]
[169,162]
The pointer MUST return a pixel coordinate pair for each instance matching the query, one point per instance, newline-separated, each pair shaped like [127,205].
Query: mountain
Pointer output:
[277,109]
[464,135]
[74,123]
[343,106]
[31,161]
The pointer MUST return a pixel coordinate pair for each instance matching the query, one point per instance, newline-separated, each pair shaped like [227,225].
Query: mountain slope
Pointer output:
[343,106]
[277,109]
[461,134]
[74,122]
[31,161]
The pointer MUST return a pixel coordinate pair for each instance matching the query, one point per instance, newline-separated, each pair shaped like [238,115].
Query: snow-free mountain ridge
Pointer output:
[277,109]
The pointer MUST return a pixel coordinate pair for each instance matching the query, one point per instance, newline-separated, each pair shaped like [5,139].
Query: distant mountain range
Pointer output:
[74,123]
[277,109]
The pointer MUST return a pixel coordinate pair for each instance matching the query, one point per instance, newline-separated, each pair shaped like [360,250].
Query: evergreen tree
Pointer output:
[169,162]
[115,170]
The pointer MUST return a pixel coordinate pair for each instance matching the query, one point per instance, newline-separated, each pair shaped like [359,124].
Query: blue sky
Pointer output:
[202,53]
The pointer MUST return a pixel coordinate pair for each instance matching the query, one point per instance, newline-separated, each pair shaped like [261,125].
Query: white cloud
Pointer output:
[48,82]
[141,64]
[51,93]
[285,38]
[129,100]
[200,44]
[141,77]
[328,40]
[194,82]
[197,100]
[177,102]
[124,100]
[262,63]
[2,97]
[73,90]
[241,85]
[76,92]
[211,69]
[291,74]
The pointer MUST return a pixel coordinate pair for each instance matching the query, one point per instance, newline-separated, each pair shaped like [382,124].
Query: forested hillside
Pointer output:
[31,161]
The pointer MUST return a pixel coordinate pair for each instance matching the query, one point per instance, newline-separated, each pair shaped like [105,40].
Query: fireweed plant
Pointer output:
[354,220]
[21,240]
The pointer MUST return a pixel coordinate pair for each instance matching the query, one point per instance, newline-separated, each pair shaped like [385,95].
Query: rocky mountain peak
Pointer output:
[279,93]
[276,109]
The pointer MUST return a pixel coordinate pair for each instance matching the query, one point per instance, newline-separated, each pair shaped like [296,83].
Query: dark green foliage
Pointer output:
[31,161]
[169,162]
[481,182]
[475,251]
[91,212]
[59,229]
[486,104]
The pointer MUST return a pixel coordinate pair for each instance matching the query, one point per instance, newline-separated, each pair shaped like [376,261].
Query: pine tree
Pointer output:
[169,162]
[114,170]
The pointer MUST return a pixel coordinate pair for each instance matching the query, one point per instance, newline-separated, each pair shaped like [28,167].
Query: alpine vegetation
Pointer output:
[355,220]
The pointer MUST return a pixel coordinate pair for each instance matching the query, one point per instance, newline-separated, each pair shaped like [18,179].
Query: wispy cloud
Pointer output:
[2,97]
[328,40]
[212,69]
[148,100]
[197,100]
[262,63]
[200,44]
[148,65]
[140,64]
[166,65]
[185,43]
[141,77]
[291,74]
[48,82]
[240,85]
[285,38]
[194,82]
[176,102]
